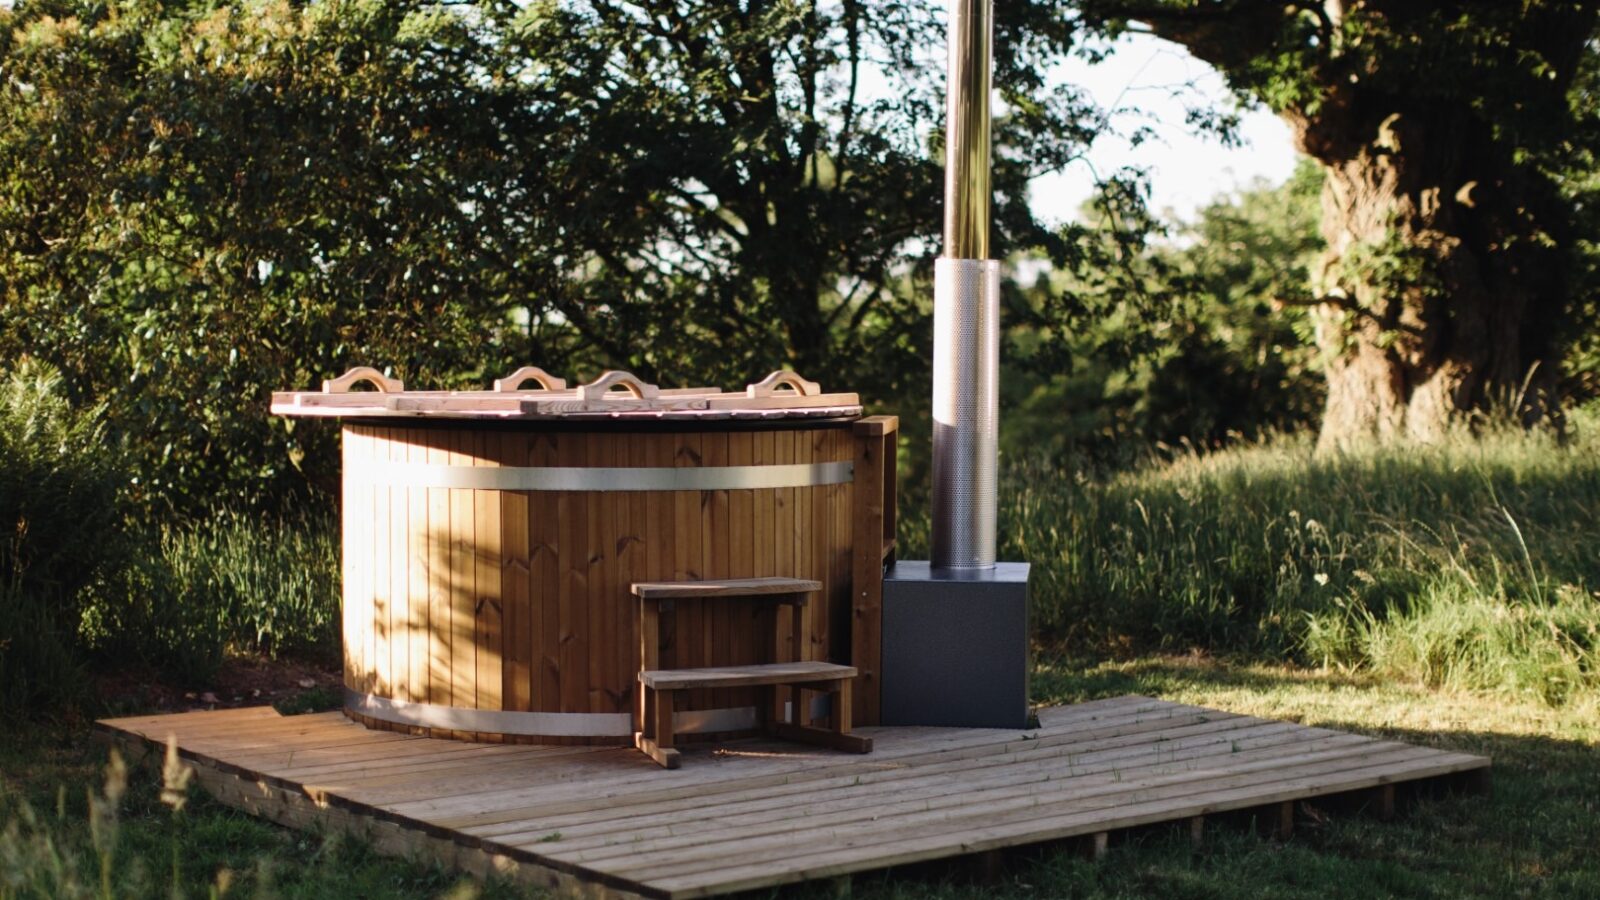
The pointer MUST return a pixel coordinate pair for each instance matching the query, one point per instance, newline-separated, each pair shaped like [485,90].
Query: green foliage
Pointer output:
[203,202]
[1237,358]
[1225,354]
[1459,140]
[58,483]
[228,584]
[79,581]
[214,202]
[1577,171]
[72,829]
[59,531]
[1501,58]
[1470,564]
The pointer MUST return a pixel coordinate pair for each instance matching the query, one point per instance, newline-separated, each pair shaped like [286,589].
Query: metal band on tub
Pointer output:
[601,478]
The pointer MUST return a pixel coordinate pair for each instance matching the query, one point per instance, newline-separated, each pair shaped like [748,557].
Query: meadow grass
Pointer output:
[75,825]
[1471,564]
[230,584]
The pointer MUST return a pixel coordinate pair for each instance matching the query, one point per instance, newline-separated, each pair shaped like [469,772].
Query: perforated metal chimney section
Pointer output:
[966,309]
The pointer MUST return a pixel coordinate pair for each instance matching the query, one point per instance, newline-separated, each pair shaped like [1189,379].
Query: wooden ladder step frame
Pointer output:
[654,735]
[741,588]
[758,675]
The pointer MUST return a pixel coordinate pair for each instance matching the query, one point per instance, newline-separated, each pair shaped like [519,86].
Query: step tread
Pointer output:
[744,676]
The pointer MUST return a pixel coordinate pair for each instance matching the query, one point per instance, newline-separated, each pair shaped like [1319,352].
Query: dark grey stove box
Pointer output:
[955,646]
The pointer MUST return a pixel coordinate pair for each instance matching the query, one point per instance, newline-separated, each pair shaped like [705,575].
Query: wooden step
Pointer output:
[725,587]
[745,676]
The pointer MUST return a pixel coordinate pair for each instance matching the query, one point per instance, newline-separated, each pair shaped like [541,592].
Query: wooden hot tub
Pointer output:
[491,539]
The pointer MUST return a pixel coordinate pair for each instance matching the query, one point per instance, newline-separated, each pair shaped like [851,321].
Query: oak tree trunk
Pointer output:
[1442,293]
[1440,289]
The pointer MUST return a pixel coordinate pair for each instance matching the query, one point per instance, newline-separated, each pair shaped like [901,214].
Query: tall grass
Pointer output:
[229,584]
[51,855]
[59,532]
[1473,563]
[80,577]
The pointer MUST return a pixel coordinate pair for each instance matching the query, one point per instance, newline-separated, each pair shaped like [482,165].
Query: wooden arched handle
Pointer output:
[769,385]
[345,382]
[515,380]
[614,378]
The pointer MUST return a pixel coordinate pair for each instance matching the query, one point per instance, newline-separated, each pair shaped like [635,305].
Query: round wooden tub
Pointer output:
[488,564]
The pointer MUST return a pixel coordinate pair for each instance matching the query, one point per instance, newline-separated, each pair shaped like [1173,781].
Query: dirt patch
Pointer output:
[241,681]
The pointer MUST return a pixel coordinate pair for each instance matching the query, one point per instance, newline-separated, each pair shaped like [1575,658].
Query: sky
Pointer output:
[1186,170]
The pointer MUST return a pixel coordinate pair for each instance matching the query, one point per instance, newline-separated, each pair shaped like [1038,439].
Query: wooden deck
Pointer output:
[756,814]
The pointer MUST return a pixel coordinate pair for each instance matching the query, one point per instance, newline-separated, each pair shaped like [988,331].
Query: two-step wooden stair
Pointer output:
[783,716]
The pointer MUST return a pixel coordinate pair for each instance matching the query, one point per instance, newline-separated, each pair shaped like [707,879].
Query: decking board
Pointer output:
[756,814]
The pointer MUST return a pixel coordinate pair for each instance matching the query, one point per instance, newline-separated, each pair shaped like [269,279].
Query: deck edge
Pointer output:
[295,808]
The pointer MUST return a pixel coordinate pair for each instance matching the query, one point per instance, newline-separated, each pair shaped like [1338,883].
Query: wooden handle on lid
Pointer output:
[614,379]
[515,380]
[769,385]
[345,382]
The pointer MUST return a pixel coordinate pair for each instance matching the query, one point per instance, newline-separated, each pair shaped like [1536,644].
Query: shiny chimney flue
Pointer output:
[966,309]
[955,627]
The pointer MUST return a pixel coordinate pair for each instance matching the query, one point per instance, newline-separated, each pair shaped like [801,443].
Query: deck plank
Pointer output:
[955,822]
[892,749]
[757,814]
[860,797]
[888,779]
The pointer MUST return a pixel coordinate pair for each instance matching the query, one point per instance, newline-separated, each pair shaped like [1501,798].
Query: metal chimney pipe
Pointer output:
[966,309]
[966,155]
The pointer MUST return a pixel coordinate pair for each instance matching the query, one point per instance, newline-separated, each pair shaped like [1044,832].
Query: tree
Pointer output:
[774,178]
[1444,131]
[200,204]
[1220,359]
[203,201]
[1237,361]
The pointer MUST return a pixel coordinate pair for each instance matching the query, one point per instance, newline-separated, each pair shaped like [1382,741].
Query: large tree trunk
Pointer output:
[1441,293]
[1440,288]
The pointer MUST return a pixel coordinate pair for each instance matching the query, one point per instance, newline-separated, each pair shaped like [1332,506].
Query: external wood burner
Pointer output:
[493,541]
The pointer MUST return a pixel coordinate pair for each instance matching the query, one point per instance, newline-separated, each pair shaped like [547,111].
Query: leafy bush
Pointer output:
[1225,356]
[229,584]
[1470,563]
[60,531]
[76,579]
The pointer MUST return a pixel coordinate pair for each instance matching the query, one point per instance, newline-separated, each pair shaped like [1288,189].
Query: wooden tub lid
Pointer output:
[533,393]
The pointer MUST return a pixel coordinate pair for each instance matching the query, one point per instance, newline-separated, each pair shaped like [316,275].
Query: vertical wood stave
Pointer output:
[519,600]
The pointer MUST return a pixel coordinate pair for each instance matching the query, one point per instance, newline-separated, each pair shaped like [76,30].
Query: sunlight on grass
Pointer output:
[1466,565]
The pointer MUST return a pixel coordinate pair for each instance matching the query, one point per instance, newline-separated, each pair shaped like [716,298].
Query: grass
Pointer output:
[64,812]
[1468,565]
[231,584]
